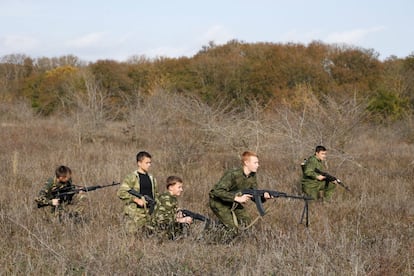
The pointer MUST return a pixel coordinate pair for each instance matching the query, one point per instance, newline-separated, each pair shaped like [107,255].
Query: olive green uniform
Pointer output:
[222,197]
[136,216]
[310,185]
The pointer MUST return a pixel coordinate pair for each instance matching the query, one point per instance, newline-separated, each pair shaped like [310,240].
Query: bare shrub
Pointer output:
[19,112]
[92,105]
[327,121]
[368,232]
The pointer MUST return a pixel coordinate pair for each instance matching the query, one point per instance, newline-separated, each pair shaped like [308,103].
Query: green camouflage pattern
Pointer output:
[51,186]
[164,219]
[70,206]
[165,211]
[135,217]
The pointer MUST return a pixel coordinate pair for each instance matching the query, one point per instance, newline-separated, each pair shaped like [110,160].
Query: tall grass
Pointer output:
[368,232]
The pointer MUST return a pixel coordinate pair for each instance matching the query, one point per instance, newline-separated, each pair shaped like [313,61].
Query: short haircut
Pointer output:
[320,148]
[142,154]
[63,171]
[246,155]
[172,180]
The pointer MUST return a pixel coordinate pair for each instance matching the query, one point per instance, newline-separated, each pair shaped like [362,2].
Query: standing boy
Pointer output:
[136,210]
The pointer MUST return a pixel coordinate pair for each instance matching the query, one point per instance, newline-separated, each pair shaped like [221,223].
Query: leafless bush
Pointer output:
[11,113]
[329,122]
[365,233]
[92,106]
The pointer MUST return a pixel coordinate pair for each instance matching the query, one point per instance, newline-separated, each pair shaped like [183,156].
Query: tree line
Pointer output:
[238,72]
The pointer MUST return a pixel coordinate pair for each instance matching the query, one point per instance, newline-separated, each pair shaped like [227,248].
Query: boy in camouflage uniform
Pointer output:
[135,210]
[227,202]
[62,207]
[314,184]
[167,219]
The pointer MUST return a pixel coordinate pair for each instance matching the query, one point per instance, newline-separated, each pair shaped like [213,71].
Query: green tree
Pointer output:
[387,105]
[48,91]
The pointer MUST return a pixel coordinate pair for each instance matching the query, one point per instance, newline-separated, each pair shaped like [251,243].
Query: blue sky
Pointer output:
[104,29]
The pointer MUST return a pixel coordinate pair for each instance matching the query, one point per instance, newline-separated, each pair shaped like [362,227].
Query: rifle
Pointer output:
[188,213]
[66,193]
[331,178]
[149,201]
[258,195]
[71,191]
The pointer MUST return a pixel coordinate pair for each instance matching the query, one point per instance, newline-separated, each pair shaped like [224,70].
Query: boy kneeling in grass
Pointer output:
[167,219]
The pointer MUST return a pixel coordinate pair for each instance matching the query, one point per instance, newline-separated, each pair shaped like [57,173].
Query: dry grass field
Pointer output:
[369,232]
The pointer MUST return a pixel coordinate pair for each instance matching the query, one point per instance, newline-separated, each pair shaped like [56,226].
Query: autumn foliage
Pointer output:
[270,73]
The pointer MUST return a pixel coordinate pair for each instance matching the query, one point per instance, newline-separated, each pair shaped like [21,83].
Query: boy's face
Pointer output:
[321,155]
[64,179]
[176,189]
[252,164]
[144,165]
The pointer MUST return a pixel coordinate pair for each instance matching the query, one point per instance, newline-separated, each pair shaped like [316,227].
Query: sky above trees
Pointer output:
[117,30]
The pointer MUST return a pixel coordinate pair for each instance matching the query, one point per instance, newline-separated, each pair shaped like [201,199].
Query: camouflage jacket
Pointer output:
[131,181]
[51,190]
[165,211]
[232,181]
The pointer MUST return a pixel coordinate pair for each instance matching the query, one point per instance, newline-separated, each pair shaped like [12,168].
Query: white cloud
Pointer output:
[353,36]
[216,33]
[295,36]
[18,43]
[88,40]
[168,52]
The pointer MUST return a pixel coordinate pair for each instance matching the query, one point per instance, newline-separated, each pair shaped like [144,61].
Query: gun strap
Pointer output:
[234,214]
[251,223]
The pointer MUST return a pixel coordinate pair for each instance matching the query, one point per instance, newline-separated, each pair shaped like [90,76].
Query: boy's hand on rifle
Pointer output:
[187,220]
[242,198]
[182,219]
[266,195]
[320,177]
[140,202]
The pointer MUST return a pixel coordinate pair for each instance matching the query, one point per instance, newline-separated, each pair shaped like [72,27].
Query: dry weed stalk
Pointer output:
[366,234]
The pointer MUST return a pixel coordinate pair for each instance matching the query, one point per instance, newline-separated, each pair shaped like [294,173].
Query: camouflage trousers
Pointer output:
[171,231]
[73,211]
[136,220]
